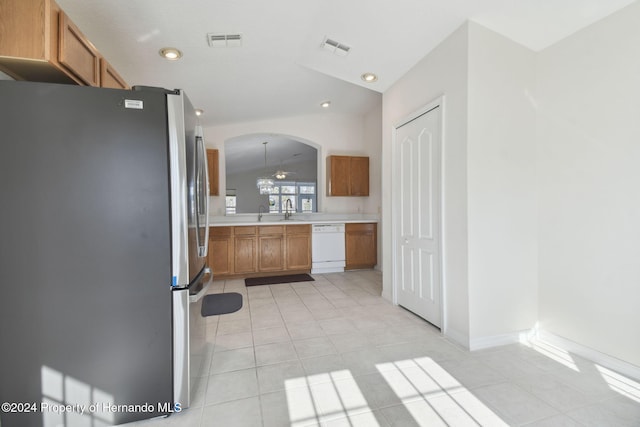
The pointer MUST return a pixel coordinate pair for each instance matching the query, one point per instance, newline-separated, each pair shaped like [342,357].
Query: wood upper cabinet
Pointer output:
[29,41]
[214,172]
[38,42]
[359,176]
[338,171]
[347,176]
[361,245]
[109,77]
[77,53]
[298,247]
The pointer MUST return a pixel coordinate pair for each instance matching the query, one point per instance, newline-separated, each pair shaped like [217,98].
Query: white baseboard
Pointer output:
[605,360]
[499,340]
[457,336]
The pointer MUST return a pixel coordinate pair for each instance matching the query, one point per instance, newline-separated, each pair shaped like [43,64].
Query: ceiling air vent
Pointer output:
[224,40]
[338,48]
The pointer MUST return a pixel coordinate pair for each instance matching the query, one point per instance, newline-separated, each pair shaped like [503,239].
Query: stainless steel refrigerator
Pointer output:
[103,247]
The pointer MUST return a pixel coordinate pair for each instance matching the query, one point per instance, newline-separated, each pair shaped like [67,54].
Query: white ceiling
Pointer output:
[281,68]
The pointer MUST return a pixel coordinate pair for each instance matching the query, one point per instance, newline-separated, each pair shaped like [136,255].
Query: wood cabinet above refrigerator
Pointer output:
[38,42]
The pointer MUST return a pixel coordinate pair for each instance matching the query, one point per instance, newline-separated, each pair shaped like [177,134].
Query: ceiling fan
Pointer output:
[281,174]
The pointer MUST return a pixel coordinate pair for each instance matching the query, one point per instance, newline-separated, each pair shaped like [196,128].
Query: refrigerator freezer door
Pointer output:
[188,328]
[181,372]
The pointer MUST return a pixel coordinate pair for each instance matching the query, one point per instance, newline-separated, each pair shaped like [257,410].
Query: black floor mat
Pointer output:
[215,304]
[272,280]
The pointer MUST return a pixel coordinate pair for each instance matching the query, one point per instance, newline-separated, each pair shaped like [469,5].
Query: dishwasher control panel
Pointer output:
[328,228]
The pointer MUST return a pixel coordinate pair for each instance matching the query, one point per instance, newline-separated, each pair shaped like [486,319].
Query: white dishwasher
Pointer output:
[327,248]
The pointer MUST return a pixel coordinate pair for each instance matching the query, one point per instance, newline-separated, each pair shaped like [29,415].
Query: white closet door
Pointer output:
[418,248]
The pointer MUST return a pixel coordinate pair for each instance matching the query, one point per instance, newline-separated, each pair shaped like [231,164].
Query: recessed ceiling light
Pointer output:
[170,53]
[369,77]
[199,112]
[325,104]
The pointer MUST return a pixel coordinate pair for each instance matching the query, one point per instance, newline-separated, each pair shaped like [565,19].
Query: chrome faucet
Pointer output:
[287,213]
[261,209]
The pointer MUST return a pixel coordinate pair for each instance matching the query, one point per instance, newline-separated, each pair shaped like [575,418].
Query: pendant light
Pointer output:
[264,183]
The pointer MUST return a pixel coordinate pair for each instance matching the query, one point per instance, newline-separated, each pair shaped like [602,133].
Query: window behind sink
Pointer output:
[301,194]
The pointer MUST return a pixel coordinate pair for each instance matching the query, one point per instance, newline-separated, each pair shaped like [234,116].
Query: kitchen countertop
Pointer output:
[278,219]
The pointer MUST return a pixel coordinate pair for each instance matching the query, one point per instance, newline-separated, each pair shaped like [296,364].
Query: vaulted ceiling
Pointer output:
[282,67]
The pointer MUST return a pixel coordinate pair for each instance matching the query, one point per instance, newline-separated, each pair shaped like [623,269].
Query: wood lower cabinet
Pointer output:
[361,246]
[298,247]
[245,259]
[271,248]
[221,250]
[247,251]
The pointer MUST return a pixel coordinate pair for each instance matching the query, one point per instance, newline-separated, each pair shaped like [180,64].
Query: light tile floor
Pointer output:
[334,353]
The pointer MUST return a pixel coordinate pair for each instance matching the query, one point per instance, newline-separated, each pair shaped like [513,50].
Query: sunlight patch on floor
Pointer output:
[620,384]
[325,397]
[433,397]
[561,356]
[418,389]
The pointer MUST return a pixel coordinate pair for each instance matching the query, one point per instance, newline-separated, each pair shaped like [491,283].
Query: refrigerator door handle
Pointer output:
[197,297]
[202,196]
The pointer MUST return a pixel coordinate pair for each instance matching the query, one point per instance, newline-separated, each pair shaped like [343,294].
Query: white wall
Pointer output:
[373,141]
[3,76]
[334,133]
[489,230]
[372,138]
[443,71]
[588,99]
[501,186]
